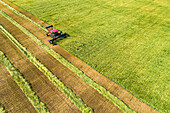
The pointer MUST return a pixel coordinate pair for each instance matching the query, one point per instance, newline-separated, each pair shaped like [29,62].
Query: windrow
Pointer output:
[2,110]
[22,15]
[60,85]
[115,100]
[23,84]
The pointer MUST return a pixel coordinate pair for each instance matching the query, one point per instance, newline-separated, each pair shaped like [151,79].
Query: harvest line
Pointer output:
[60,85]
[24,16]
[23,84]
[115,100]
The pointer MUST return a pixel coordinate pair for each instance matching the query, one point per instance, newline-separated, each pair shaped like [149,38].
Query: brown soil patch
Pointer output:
[89,95]
[55,100]
[11,96]
[115,89]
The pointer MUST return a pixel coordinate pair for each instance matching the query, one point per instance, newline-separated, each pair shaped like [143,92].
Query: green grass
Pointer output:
[126,40]
[115,100]
[23,84]
[2,110]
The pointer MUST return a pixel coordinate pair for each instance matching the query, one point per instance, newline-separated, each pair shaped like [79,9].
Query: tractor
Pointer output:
[55,34]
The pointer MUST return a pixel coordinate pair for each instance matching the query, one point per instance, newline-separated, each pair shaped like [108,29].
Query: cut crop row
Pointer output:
[115,100]
[23,84]
[2,109]
[22,15]
[60,85]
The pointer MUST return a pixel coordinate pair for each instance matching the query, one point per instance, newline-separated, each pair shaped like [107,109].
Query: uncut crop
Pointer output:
[126,40]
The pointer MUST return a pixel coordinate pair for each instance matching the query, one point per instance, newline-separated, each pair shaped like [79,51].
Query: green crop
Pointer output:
[2,109]
[23,84]
[60,85]
[120,104]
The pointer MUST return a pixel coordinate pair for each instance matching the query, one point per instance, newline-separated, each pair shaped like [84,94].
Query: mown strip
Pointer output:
[115,100]
[22,15]
[60,85]
[23,84]
[2,109]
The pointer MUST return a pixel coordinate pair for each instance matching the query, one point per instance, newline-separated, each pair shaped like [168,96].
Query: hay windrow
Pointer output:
[24,86]
[115,100]
[22,15]
[60,85]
